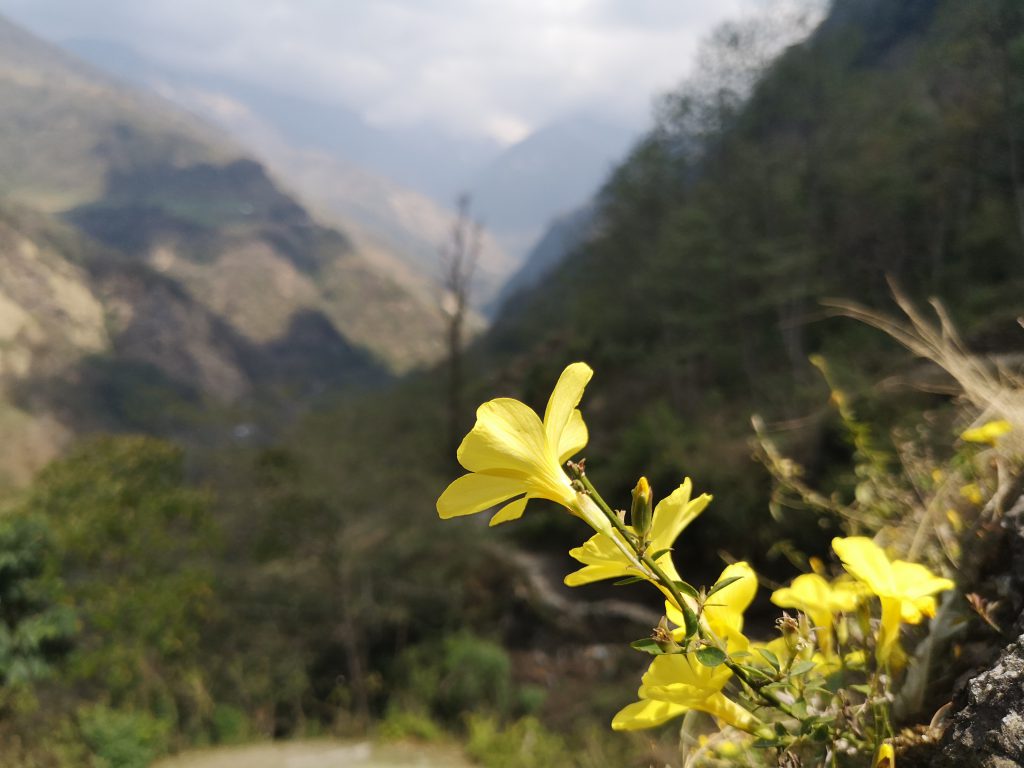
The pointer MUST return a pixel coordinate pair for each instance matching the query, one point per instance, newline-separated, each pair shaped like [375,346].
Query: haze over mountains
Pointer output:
[397,184]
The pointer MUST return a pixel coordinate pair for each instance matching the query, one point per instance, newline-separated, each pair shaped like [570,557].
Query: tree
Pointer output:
[134,546]
[459,259]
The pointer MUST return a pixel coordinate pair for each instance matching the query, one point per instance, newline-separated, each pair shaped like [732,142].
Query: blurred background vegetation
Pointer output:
[218,493]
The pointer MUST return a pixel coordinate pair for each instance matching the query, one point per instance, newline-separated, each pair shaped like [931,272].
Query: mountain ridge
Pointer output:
[205,285]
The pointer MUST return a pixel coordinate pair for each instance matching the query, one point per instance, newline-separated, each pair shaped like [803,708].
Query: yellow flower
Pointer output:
[972,492]
[886,757]
[820,600]
[677,683]
[602,559]
[511,454]
[905,589]
[989,432]
[723,613]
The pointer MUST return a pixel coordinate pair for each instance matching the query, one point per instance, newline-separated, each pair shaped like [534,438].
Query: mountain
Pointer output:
[566,234]
[397,185]
[143,176]
[149,261]
[391,191]
[427,160]
[550,173]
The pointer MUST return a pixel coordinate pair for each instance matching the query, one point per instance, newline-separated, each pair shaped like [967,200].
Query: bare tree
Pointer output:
[459,259]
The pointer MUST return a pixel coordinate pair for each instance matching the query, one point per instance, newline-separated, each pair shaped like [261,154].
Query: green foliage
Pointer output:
[36,627]
[133,545]
[123,739]
[526,743]
[401,724]
[229,725]
[461,674]
[475,674]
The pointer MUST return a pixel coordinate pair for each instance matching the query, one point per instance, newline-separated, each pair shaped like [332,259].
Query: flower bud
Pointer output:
[886,757]
[641,514]
[662,635]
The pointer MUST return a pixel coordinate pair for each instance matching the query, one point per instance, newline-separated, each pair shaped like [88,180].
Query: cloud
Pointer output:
[467,66]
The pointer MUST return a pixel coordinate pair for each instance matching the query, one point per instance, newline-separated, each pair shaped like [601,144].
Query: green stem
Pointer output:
[619,526]
[705,635]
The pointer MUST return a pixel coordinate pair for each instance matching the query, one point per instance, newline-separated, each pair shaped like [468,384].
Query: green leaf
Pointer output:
[711,656]
[647,645]
[723,584]
[754,671]
[660,553]
[686,589]
[864,689]
[801,667]
[771,658]
[628,580]
[689,621]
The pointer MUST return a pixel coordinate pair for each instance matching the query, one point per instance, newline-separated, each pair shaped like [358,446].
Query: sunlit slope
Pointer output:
[347,172]
[64,128]
[148,180]
[90,339]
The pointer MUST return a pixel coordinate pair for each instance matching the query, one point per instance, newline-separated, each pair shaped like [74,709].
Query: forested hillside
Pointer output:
[885,146]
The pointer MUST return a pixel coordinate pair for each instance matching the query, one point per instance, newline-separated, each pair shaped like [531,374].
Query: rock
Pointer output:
[987,728]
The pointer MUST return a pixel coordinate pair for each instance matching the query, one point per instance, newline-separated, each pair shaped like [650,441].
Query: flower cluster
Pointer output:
[820,688]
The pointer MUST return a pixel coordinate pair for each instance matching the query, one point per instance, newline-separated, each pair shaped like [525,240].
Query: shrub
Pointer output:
[122,739]
[526,743]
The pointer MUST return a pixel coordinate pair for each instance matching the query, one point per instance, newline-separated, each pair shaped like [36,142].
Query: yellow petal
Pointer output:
[564,398]
[674,513]
[972,492]
[512,511]
[866,561]
[603,560]
[955,520]
[682,679]
[592,573]
[811,594]
[507,437]
[989,432]
[886,757]
[913,580]
[646,714]
[889,631]
[728,711]
[847,594]
[574,437]
[725,608]
[474,493]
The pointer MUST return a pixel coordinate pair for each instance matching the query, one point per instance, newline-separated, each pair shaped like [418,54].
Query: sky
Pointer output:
[475,68]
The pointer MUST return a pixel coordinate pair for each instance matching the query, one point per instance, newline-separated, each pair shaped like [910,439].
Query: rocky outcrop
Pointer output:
[987,728]
[984,727]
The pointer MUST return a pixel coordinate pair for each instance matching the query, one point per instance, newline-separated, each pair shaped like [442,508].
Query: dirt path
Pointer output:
[319,754]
